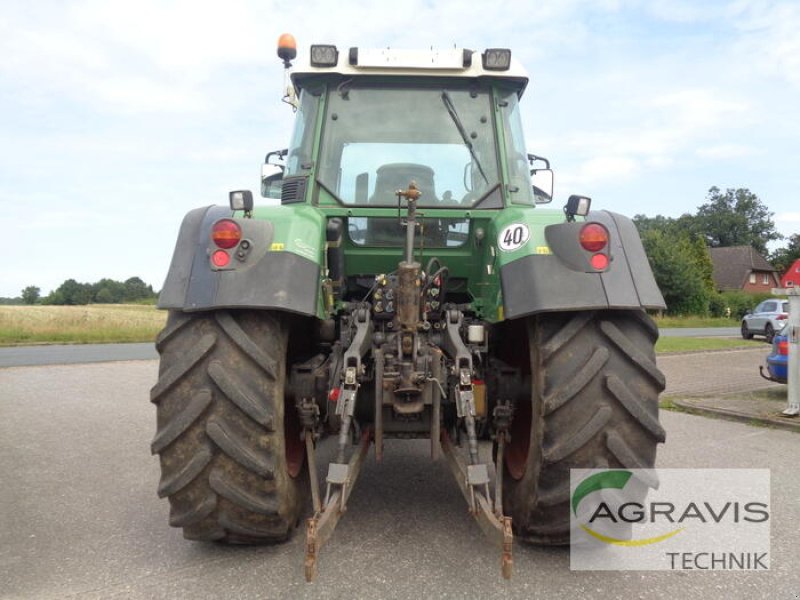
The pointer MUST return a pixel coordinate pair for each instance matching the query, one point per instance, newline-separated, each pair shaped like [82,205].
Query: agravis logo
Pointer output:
[632,519]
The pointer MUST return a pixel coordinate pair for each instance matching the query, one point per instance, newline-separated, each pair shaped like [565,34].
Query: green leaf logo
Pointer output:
[599,481]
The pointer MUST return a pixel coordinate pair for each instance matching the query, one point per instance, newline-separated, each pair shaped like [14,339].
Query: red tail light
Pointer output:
[783,348]
[220,259]
[226,233]
[599,262]
[782,317]
[593,237]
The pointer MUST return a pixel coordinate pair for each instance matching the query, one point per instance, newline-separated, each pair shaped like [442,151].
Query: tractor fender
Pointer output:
[263,279]
[558,281]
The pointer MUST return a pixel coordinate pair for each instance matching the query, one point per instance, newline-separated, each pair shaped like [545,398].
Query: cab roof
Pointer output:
[493,63]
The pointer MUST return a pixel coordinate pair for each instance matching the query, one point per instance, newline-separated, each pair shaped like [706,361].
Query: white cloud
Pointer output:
[699,108]
[140,94]
[608,168]
[725,151]
[769,38]
[788,217]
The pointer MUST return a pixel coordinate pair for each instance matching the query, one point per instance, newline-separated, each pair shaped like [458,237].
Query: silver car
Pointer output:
[767,318]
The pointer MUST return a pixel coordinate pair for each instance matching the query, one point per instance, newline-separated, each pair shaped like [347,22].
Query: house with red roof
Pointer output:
[792,276]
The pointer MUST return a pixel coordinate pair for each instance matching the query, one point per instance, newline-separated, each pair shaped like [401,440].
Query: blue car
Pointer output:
[778,359]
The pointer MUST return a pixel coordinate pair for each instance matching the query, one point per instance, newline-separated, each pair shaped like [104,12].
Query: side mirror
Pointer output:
[542,179]
[271,180]
[542,185]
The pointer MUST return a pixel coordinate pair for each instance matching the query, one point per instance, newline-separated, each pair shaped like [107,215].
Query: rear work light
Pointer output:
[497,59]
[226,233]
[593,237]
[324,55]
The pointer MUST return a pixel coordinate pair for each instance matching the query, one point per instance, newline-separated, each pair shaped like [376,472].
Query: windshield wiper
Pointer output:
[451,109]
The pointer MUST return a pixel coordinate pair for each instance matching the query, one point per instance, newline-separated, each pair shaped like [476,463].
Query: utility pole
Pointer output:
[793,373]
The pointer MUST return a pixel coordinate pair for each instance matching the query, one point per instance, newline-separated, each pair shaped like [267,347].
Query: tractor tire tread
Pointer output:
[595,386]
[220,431]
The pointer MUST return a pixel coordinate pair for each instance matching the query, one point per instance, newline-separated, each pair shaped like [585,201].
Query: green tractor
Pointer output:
[407,284]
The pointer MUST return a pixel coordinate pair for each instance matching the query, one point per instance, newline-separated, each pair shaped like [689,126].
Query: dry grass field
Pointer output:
[91,324]
[114,323]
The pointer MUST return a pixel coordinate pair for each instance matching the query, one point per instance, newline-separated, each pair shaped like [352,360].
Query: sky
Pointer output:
[117,118]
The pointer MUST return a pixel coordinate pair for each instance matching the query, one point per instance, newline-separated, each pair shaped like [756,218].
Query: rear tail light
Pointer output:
[782,317]
[599,261]
[220,259]
[226,233]
[783,348]
[593,237]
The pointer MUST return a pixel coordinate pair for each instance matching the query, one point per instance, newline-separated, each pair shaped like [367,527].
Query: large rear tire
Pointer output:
[232,464]
[593,403]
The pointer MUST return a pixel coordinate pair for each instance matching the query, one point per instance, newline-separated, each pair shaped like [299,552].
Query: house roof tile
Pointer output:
[733,264]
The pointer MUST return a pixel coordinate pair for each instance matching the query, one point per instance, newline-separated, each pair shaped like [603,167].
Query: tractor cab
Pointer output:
[369,122]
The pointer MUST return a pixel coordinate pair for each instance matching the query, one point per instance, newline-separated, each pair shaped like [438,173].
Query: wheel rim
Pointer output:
[769,332]
[744,330]
[516,454]
[295,448]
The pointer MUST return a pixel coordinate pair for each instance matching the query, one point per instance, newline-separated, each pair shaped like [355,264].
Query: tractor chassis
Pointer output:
[472,476]
[472,479]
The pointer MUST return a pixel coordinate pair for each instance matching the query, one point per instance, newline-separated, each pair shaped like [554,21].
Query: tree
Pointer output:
[680,271]
[108,291]
[736,218]
[104,296]
[686,224]
[105,291]
[136,289]
[71,292]
[30,295]
[703,263]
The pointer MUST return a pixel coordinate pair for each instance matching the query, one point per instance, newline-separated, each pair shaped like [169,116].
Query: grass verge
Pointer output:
[92,324]
[699,344]
[682,322]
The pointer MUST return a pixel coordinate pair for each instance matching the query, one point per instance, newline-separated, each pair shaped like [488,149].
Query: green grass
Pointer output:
[92,324]
[678,322]
[699,344]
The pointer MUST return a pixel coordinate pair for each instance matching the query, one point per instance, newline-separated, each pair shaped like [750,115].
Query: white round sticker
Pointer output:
[513,236]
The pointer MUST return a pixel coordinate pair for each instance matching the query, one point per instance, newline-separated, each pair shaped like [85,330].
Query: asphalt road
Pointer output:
[64,354]
[79,516]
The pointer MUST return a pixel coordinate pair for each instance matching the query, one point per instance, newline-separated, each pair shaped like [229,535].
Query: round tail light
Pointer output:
[220,259]
[599,262]
[593,237]
[226,233]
